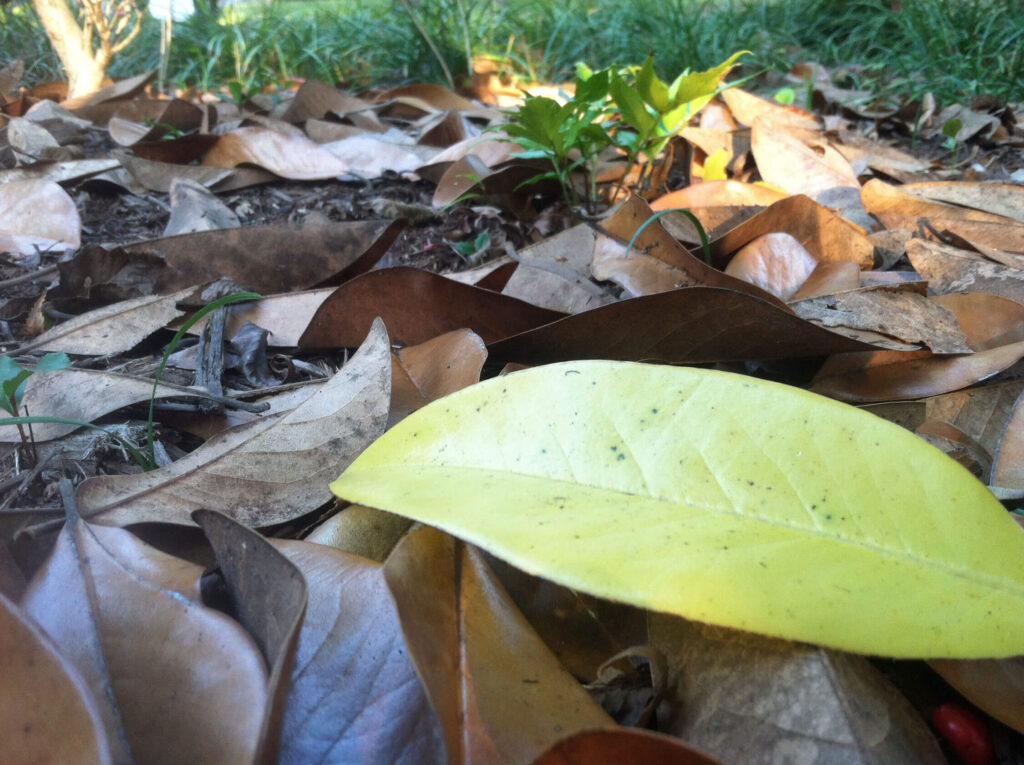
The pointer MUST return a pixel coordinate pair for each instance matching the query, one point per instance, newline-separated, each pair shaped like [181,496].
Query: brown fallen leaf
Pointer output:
[174,681]
[547,289]
[37,214]
[315,100]
[746,698]
[110,95]
[693,324]
[267,594]
[112,329]
[987,321]
[901,314]
[994,685]
[791,165]
[1008,466]
[433,96]
[500,694]
[417,306]
[899,375]
[31,143]
[654,241]
[828,278]
[59,172]
[266,471]
[151,119]
[981,413]
[426,372]
[717,194]
[363,531]
[84,395]
[275,258]
[289,156]
[747,108]
[48,711]
[777,263]
[1004,199]
[354,694]
[194,208]
[158,176]
[898,209]
[827,236]
[950,269]
[622,745]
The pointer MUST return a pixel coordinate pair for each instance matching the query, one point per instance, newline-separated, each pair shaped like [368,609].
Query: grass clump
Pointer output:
[954,48]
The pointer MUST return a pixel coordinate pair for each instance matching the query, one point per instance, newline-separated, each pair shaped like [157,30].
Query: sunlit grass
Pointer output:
[954,48]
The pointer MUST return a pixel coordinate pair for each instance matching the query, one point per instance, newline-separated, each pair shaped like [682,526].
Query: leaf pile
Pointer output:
[148,611]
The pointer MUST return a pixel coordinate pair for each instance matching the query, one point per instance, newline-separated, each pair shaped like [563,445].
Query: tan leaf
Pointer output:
[293,157]
[743,698]
[426,372]
[499,692]
[717,194]
[827,236]
[48,711]
[114,328]
[194,208]
[949,269]
[158,176]
[175,681]
[777,263]
[269,470]
[791,165]
[84,395]
[746,108]
[37,214]
[987,321]
[1008,467]
[284,316]
[1006,199]
[58,172]
[899,209]
[351,659]
[829,278]
[897,375]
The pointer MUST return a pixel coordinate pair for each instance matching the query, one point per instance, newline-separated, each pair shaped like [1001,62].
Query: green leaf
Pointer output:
[785,96]
[540,120]
[952,127]
[51,362]
[592,88]
[629,103]
[690,87]
[652,89]
[715,496]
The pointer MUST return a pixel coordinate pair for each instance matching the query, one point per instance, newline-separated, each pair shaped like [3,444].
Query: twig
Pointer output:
[41,273]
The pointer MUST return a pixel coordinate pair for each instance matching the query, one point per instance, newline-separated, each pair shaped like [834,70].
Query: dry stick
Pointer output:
[430,43]
[40,274]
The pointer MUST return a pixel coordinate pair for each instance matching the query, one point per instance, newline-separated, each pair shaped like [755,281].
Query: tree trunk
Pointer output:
[85,71]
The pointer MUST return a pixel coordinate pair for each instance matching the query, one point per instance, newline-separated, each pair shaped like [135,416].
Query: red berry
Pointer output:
[966,733]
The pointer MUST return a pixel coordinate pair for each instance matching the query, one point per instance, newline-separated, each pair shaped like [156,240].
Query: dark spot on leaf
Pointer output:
[621,457]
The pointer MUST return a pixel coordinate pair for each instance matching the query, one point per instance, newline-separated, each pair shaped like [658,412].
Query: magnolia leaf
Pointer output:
[716,497]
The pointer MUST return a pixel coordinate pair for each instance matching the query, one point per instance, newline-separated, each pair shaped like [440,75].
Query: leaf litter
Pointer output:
[839,261]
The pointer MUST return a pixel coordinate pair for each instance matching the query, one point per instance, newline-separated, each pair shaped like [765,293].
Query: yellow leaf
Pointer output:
[717,497]
[715,164]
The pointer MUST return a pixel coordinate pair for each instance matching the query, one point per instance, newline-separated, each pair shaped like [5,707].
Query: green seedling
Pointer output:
[472,250]
[950,131]
[785,96]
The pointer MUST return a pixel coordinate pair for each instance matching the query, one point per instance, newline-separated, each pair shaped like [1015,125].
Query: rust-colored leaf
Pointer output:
[777,263]
[500,694]
[987,321]
[693,324]
[898,375]
[426,372]
[417,306]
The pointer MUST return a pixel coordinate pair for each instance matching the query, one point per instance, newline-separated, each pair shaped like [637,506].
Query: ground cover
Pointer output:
[867,251]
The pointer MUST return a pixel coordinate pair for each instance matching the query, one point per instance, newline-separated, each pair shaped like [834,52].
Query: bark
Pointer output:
[85,48]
